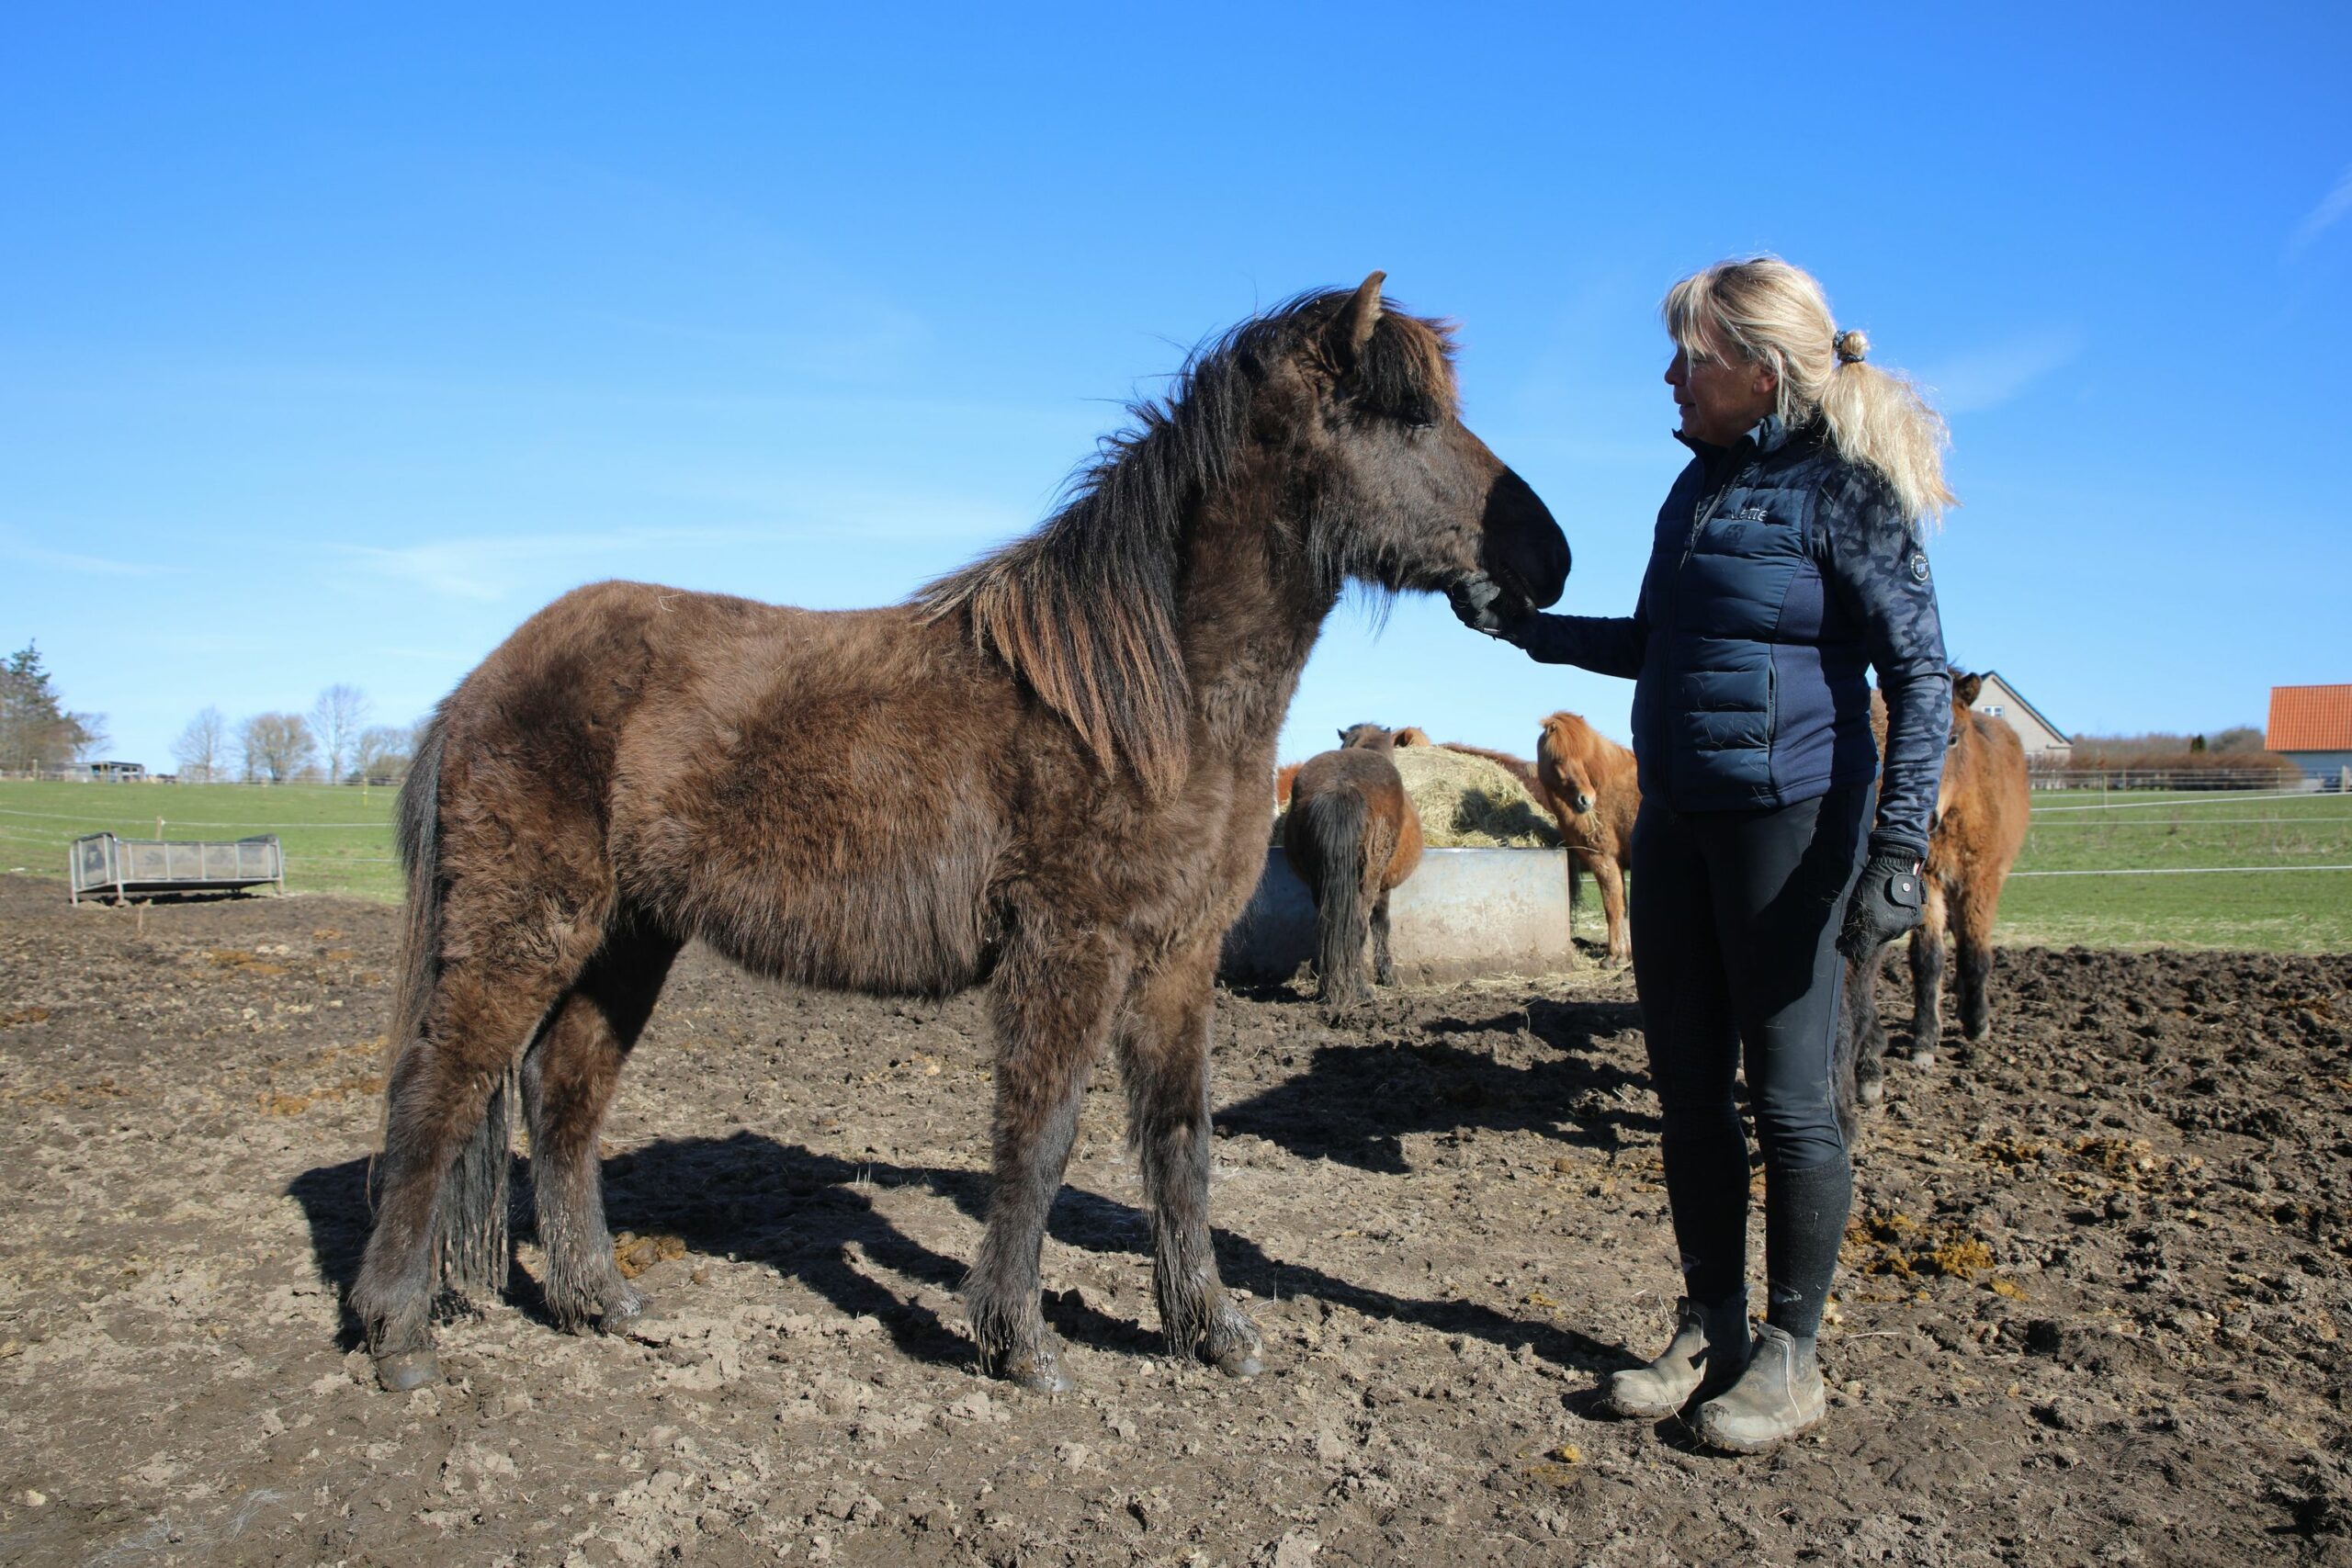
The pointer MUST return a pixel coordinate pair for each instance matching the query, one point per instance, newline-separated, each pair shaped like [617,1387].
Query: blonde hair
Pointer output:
[1767,312]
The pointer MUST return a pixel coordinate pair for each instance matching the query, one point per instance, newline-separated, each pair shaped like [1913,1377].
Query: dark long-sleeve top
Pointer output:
[1780,571]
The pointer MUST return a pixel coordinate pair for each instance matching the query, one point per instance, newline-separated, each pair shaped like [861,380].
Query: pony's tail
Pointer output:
[1336,831]
[469,1217]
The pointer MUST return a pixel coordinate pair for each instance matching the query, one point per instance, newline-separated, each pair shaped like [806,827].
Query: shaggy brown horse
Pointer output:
[1352,836]
[1981,811]
[638,767]
[1588,783]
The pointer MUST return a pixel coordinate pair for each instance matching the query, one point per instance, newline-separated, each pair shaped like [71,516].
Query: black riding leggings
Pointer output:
[1735,926]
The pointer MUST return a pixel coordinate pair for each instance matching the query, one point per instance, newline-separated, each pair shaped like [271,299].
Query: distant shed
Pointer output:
[2311,727]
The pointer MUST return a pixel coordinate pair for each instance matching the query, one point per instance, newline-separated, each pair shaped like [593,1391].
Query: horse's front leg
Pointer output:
[1164,1057]
[1053,1009]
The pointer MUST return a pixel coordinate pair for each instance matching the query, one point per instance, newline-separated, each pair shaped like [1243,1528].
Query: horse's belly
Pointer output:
[922,935]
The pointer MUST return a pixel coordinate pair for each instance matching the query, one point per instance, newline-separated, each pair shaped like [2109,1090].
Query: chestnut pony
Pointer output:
[1983,807]
[638,767]
[1589,785]
[1352,836]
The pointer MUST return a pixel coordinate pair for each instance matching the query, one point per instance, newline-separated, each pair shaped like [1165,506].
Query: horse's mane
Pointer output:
[1084,608]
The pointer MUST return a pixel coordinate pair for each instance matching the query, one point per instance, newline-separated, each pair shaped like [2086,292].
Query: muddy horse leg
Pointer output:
[1383,973]
[568,1081]
[441,1189]
[1163,1038]
[1973,920]
[1053,1012]
[1610,878]
[1868,1030]
[1927,979]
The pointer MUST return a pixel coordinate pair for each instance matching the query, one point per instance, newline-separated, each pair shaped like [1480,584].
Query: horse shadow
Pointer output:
[1355,1102]
[814,1217]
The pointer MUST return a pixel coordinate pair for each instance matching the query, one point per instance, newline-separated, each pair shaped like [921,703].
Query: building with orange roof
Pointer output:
[2312,726]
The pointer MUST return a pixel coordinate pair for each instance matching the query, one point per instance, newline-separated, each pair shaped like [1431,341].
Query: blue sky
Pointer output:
[338,340]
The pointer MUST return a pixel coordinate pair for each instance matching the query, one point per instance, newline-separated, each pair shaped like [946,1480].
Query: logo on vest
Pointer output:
[1918,566]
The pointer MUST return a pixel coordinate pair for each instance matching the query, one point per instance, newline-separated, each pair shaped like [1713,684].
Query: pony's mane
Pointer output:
[1084,608]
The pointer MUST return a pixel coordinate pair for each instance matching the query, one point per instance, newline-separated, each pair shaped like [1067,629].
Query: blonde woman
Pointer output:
[1788,557]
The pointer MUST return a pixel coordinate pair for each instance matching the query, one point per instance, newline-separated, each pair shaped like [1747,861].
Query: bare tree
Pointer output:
[202,747]
[336,720]
[277,747]
[381,754]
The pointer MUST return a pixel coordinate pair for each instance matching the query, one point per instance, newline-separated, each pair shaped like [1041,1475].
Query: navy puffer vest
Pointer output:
[1779,575]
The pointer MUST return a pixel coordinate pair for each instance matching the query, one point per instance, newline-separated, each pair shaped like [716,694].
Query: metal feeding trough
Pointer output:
[1462,914]
[104,866]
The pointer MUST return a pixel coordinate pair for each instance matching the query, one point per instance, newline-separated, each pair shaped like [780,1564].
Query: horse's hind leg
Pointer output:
[1975,920]
[1927,978]
[1383,972]
[441,1098]
[1164,1058]
[1052,1011]
[568,1082]
[1869,1030]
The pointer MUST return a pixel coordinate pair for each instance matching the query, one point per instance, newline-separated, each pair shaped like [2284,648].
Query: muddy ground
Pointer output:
[2095,1306]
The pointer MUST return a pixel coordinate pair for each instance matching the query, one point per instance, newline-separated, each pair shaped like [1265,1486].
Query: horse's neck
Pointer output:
[1248,615]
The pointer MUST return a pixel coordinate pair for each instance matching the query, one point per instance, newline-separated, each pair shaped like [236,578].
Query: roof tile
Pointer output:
[2310,719]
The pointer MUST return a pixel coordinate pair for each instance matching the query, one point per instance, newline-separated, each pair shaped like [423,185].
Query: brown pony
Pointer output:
[637,767]
[1981,811]
[1588,783]
[1352,836]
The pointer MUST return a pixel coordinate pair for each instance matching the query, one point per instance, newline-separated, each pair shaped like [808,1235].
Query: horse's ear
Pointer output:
[1353,328]
[1343,737]
[1964,689]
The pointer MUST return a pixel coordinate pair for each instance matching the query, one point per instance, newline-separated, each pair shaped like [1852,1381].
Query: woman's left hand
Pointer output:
[1474,605]
[1885,903]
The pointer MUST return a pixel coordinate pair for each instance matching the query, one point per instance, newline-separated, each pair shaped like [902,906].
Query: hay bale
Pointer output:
[1468,803]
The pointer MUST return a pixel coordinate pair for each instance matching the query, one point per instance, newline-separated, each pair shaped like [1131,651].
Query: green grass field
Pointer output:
[2169,838]
[336,841]
[340,840]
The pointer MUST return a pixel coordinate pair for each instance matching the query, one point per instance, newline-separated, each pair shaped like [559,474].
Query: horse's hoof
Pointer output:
[1870,1092]
[1234,1347]
[627,1312]
[1923,1057]
[1239,1361]
[405,1370]
[1038,1371]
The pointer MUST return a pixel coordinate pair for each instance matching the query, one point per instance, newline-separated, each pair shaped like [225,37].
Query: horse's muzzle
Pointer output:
[1521,548]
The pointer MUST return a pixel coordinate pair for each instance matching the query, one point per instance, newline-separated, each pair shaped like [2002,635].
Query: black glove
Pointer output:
[1883,904]
[1474,605]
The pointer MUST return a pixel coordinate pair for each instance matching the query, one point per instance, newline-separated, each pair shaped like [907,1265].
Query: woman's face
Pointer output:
[1720,398]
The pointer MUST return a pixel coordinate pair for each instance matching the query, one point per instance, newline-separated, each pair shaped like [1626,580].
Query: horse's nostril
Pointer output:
[1584,803]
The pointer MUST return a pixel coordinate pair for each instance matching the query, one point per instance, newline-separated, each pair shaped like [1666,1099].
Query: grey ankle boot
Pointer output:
[1778,1396]
[1709,1348]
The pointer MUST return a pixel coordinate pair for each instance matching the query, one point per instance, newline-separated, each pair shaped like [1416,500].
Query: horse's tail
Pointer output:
[469,1216]
[1337,823]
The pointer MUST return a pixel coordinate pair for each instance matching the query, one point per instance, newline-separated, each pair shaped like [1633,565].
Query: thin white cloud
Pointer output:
[486,570]
[1987,378]
[14,549]
[2333,208]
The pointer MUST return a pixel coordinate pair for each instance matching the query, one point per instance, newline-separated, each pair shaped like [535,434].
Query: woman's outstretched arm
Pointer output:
[1606,645]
